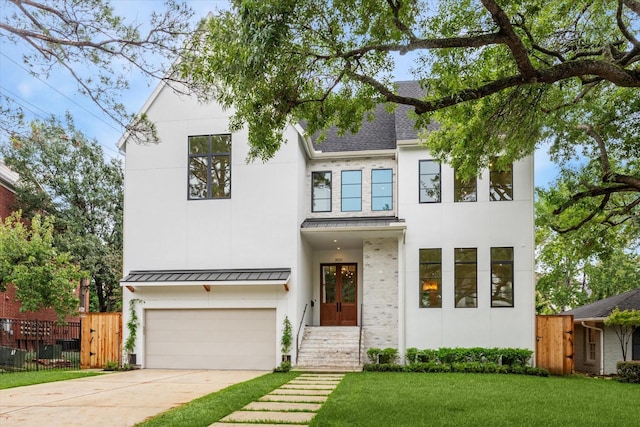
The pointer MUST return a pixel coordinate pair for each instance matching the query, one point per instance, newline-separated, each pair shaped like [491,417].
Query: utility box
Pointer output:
[12,357]
[50,351]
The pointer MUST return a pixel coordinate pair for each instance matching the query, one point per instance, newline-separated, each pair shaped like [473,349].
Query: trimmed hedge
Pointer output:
[475,360]
[629,372]
[498,356]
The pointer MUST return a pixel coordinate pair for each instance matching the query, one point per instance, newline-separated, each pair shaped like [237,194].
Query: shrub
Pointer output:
[629,372]
[389,356]
[285,366]
[372,354]
[382,367]
[412,355]
[426,356]
[111,365]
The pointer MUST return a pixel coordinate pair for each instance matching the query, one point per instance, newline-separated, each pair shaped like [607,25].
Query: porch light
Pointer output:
[429,286]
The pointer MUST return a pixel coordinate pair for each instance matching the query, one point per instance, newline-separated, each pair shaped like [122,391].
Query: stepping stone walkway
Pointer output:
[294,404]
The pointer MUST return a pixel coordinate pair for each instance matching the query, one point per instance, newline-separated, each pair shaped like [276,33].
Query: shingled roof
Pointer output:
[382,132]
[603,308]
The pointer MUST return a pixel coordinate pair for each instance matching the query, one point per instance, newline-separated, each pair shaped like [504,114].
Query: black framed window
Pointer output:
[351,195]
[382,189]
[464,190]
[500,181]
[429,181]
[501,277]
[321,191]
[431,278]
[209,167]
[466,277]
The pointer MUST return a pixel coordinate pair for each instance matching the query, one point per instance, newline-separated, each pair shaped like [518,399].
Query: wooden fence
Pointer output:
[101,339]
[554,344]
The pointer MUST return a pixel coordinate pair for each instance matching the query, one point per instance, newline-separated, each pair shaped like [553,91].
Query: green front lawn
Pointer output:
[19,379]
[412,399]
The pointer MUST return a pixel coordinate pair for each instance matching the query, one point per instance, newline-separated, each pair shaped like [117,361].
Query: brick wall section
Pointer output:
[336,166]
[7,200]
[380,293]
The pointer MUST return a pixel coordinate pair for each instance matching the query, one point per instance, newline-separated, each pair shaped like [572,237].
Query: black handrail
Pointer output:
[360,339]
[298,334]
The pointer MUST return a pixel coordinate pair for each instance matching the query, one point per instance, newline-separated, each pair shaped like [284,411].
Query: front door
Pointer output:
[338,295]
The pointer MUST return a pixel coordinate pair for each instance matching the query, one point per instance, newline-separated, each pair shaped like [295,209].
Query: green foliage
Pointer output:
[132,327]
[67,176]
[285,366]
[42,276]
[445,355]
[459,367]
[111,365]
[373,353]
[628,372]
[623,322]
[499,79]
[286,340]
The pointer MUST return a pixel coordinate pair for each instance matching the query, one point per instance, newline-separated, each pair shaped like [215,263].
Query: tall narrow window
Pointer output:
[351,191]
[321,191]
[501,277]
[464,190]
[590,345]
[429,181]
[209,167]
[430,278]
[382,189]
[466,277]
[500,181]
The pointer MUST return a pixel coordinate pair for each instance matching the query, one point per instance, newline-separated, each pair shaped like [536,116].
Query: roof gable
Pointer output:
[602,309]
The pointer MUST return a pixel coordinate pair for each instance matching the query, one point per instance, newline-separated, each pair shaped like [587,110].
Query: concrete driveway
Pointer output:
[113,399]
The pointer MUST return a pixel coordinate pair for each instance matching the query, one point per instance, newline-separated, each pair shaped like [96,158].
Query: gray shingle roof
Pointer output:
[232,275]
[382,132]
[601,309]
[349,222]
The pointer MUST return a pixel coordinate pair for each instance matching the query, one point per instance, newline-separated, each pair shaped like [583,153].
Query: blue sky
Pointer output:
[42,96]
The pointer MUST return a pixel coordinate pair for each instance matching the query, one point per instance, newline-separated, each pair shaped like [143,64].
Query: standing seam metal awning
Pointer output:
[207,278]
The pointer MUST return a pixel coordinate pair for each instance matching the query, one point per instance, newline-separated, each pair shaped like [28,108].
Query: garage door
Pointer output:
[210,339]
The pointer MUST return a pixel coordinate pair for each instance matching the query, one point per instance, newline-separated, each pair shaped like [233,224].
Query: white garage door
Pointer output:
[210,339]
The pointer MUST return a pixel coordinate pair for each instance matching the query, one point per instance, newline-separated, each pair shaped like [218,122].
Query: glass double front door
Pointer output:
[338,295]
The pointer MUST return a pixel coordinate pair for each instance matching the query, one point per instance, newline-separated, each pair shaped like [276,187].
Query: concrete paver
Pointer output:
[118,399]
[221,424]
[292,398]
[308,387]
[302,392]
[282,406]
[270,417]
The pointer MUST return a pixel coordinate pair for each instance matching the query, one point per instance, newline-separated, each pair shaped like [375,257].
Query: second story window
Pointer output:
[464,190]
[209,167]
[501,181]
[429,181]
[382,189]
[351,191]
[321,191]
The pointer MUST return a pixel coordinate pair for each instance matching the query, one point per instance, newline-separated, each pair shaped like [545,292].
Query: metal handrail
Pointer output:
[360,338]
[298,334]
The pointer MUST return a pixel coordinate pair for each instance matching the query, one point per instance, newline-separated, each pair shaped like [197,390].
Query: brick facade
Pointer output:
[7,201]
[380,293]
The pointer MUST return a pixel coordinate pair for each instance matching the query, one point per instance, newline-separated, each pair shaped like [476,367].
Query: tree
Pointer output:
[66,176]
[43,276]
[499,78]
[624,322]
[97,48]
[590,263]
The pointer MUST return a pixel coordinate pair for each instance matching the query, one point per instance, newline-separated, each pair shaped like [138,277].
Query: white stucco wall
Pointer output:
[482,225]
[258,227]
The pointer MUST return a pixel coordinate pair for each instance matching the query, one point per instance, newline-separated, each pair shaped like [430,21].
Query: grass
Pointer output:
[211,408]
[19,379]
[410,399]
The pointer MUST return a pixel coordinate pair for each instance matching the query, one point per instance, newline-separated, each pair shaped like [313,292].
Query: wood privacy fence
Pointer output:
[554,344]
[101,339]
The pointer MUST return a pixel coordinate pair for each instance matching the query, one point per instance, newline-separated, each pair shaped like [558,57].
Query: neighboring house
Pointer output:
[361,231]
[597,348]
[8,179]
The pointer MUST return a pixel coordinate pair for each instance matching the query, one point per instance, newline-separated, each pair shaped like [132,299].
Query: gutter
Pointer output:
[601,344]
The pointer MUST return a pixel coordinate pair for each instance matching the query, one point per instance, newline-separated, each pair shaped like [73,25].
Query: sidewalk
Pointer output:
[294,403]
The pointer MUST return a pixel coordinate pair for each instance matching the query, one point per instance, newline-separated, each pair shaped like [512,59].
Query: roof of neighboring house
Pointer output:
[382,132]
[602,309]
[8,178]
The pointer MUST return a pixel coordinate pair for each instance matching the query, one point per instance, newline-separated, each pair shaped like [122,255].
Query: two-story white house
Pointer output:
[364,237]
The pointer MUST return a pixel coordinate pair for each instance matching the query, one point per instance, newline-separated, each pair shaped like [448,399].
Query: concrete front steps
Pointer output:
[329,349]
[294,403]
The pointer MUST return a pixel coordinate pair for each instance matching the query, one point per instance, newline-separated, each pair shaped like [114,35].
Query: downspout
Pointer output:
[401,297]
[601,344]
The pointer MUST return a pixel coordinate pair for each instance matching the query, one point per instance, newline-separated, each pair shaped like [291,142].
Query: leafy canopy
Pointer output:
[43,276]
[68,177]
